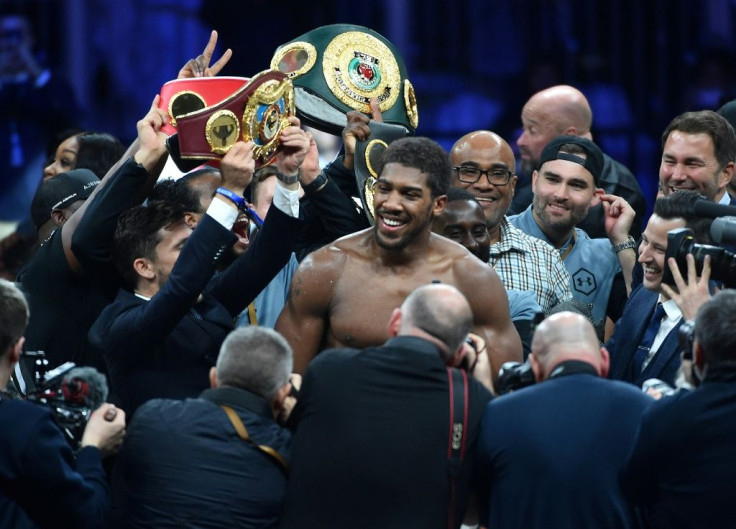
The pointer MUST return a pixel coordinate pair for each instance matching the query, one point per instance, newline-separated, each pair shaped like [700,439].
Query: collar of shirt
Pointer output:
[240,398]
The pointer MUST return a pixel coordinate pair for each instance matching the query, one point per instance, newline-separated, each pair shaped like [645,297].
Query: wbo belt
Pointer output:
[182,96]
[257,112]
[341,67]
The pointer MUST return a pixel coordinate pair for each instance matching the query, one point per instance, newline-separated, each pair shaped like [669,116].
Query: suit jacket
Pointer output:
[549,455]
[42,483]
[628,334]
[682,464]
[165,347]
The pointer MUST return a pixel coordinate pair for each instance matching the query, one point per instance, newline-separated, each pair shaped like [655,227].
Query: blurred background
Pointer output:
[473,63]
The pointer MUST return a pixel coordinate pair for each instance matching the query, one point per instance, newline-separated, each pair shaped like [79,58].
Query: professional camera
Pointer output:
[513,376]
[680,242]
[71,392]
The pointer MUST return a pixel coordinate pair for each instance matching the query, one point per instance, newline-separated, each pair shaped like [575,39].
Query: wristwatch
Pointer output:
[628,243]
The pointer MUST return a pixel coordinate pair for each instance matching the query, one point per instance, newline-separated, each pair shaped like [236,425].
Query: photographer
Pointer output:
[372,426]
[42,484]
[682,463]
[549,455]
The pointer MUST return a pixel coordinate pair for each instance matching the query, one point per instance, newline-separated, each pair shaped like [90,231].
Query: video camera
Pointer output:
[680,242]
[72,393]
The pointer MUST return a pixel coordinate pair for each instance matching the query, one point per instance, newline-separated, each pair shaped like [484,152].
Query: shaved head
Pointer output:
[567,336]
[486,150]
[558,110]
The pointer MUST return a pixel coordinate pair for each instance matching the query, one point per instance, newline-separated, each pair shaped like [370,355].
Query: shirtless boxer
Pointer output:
[343,294]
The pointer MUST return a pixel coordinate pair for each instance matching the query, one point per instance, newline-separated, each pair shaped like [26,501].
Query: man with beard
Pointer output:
[564,110]
[484,165]
[342,294]
[565,188]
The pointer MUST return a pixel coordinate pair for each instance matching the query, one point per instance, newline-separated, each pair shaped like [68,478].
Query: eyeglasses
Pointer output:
[497,176]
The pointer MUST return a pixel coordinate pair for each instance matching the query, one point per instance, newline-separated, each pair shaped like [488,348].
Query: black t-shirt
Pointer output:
[370,448]
[63,306]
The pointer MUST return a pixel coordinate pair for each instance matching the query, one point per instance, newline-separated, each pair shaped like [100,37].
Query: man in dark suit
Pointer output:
[645,341]
[549,455]
[42,482]
[682,463]
[160,337]
[373,426]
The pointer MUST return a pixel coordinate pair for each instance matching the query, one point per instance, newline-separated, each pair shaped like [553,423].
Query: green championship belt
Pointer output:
[339,68]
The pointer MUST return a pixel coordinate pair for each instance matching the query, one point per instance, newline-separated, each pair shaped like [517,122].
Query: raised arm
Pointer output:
[619,216]
[304,319]
[489,302]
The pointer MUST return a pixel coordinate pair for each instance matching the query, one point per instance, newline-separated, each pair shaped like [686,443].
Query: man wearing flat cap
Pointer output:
[565,187]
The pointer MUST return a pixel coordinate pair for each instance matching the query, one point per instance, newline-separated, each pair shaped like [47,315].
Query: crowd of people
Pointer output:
[277,357]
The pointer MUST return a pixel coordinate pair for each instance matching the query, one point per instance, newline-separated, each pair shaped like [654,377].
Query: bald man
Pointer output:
[371,425]
[556,448]
[484,165]
[564,110]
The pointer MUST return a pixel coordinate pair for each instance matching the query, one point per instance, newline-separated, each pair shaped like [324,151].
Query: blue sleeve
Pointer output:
[52,488]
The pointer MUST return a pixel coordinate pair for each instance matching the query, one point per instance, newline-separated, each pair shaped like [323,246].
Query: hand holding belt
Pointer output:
[258,111]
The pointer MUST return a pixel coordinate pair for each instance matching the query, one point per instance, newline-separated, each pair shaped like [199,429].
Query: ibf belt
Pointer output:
[258,111]
[341,67]
[184,96]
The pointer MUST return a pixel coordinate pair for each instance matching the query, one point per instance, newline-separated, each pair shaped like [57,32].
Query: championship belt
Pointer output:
[258,111]
[367,156]
[183,96]
[339,68]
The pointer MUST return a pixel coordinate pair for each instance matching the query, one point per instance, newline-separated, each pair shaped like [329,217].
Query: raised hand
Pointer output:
[357,129]
[200,65]
[152,142]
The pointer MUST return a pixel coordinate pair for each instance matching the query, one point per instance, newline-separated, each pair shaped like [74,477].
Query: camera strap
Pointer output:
[243,434]
[458,384]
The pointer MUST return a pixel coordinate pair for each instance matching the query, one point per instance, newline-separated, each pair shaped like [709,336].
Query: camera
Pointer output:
[70,392]
[681,242]
[513,376]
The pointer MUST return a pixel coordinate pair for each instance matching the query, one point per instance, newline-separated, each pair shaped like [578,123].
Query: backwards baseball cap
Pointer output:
[593,160]
[60,192]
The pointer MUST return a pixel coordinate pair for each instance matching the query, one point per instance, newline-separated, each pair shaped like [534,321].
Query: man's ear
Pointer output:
[596,198]
[213,377]
[58,216]
[512,184]
[536,368]
[726,175]
[605,362]
[394,322]
[535,176]
[190,219]
[698,360]
[439,205]
[278,400]
[15,352]
[144,268]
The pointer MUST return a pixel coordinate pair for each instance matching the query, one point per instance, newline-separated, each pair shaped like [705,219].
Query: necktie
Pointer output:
[647,340]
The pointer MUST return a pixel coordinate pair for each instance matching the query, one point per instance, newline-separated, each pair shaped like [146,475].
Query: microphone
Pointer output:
[706,208]
[723,229]
[84,386]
